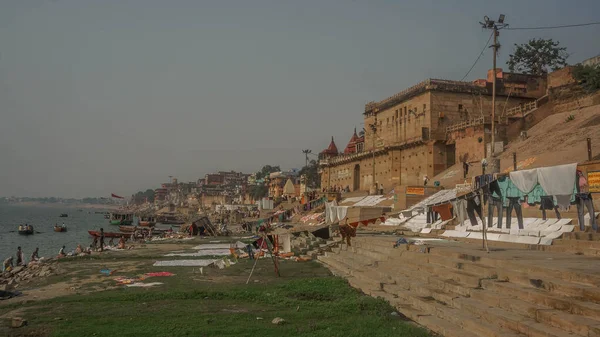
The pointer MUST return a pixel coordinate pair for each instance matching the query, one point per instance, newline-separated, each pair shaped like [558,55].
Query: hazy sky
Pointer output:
[115,95]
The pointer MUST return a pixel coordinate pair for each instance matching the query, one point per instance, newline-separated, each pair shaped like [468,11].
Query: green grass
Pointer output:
[219,303]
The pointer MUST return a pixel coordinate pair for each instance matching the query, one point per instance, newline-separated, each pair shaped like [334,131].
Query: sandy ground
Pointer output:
[74,283]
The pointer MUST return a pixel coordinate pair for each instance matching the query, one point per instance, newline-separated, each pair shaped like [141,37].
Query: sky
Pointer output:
[115,96]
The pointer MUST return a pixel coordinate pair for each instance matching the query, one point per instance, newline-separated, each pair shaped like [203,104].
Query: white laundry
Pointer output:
[341,212]
[525,180]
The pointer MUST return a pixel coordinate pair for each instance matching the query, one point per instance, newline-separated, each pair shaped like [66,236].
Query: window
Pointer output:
[460,108]
[396,113]
[387,121]
[405,111]
[424,107]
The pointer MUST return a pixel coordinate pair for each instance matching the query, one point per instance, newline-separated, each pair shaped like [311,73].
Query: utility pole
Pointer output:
[495,26]
[306,153]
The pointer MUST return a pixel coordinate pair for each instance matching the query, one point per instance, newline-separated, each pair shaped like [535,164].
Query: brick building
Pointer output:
[405,135]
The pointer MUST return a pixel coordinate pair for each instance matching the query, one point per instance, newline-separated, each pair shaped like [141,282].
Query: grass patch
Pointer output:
[219,303]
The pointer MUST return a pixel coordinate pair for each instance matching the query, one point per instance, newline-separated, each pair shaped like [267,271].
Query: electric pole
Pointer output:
[495,26]
[306,153]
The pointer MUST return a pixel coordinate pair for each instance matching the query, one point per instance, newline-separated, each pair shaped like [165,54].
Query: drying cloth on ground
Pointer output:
[445,211]
[158,274]
[330,212]
[341,212]
[151,284]
[204,252]
[184,263]
[524,180]
[238,244]
[557,180]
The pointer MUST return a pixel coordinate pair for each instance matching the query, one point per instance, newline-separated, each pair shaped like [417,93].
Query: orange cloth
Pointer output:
[445,211]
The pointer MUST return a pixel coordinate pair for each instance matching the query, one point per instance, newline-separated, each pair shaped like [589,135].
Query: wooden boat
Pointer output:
[26,229]
[60,228]
[109,234]
[64,215]
[170,219]
[121,218]
[127,229]
[148,221]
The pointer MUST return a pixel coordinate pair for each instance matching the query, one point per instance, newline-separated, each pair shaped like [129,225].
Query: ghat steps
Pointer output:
[456,289]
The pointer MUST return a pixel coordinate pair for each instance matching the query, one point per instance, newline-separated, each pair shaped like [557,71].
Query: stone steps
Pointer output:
[544,298]
[470,293]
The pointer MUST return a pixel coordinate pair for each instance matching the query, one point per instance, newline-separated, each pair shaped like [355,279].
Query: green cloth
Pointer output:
[509,189]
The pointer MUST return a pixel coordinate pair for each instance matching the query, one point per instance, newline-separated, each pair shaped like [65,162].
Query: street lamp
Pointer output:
[306,153]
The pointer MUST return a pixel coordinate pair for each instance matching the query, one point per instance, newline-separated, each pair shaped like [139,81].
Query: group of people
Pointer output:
[9,263]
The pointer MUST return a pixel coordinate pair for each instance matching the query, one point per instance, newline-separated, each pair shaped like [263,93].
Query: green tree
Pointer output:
[311,172]
[266,170]
[258,191]
[587,76]
[537,56]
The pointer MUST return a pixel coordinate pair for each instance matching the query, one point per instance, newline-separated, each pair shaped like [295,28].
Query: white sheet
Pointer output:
[525,180]
[184,263]
[204,252]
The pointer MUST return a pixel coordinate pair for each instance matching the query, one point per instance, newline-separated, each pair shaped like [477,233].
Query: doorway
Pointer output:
[356,178]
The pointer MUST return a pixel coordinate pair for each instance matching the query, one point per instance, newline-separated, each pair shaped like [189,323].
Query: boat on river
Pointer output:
[127,229]
[25,229]
[147,221]
[64,215]
[62,228]
[121,218]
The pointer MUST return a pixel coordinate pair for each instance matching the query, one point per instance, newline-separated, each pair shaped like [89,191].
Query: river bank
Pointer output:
[81,300]
[62,205]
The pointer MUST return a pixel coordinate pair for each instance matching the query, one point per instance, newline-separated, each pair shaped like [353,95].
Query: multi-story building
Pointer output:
[404,138]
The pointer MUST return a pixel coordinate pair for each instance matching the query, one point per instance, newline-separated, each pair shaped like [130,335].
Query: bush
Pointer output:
[587,76]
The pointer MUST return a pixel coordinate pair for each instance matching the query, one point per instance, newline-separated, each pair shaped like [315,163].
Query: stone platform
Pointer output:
[458,289]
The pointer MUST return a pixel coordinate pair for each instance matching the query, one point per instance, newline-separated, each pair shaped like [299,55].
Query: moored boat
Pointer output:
[121,218]
[64,215]
[25,229]
[127,229]
[147,221]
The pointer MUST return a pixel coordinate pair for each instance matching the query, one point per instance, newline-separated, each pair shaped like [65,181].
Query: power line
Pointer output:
[555,27]
[480,54]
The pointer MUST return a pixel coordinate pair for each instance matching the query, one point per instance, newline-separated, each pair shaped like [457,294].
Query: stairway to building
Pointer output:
[456,289]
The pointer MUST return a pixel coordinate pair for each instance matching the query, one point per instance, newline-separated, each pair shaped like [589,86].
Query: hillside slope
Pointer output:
[552,141]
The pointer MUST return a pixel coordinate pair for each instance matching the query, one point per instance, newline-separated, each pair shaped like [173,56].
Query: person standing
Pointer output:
[465,169]
[20,257]
[425,180]
[101,239]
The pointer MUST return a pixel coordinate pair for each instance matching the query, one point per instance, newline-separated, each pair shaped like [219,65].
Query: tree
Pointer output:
[266,170]
[311,172]
[537,56]
[588,77]
[258,191]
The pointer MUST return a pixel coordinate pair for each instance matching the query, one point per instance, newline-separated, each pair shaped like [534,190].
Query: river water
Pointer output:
[43,219]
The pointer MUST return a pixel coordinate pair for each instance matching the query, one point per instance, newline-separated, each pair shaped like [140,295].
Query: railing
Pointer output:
[466,124]
[521,109]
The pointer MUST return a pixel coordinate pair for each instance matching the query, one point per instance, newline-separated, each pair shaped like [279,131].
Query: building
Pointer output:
[405,135]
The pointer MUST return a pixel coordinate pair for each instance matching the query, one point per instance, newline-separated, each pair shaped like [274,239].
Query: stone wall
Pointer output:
[470,142]
[561,77]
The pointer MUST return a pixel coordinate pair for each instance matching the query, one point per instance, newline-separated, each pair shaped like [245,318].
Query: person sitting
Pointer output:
[89,249]
[78,250]
[121,242]
[61,252]
[8,264]
[35,255]
[111,242]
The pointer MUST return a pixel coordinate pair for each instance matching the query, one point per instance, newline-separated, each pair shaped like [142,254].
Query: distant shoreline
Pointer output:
[60,205]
